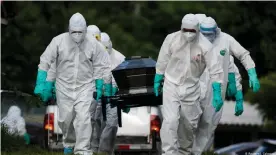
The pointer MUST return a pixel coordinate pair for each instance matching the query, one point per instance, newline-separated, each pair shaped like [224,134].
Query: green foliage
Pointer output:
[265,98]
[136,28]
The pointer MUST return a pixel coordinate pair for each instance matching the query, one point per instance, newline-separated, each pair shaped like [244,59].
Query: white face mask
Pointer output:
[77,37]
[189,36]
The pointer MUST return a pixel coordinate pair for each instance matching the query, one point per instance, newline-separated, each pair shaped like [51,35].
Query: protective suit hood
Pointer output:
[209,28]
[190,22]
[77,28]
[105,39]
[200,17]
[94,31]
[14,122]
[14,111]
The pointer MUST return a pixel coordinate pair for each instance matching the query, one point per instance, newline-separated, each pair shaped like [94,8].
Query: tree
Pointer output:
[136,28]
[265,99]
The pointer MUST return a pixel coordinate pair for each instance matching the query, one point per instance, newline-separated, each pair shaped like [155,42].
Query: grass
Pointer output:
[11,144]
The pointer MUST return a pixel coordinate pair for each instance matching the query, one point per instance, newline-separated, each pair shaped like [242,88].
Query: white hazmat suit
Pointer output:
[80,60]
[106,137]
[223,46]
[182,59]
[209,119]
[14,122]
[96,108]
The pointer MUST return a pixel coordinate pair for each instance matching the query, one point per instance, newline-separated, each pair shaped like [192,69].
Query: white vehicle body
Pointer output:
[136,133]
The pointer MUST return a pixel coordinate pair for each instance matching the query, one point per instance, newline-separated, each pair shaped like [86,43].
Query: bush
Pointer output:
[265,98]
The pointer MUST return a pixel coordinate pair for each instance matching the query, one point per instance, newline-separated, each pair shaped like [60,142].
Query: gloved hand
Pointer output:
[47,93]
[40,80]
[114,90]
[99,88]
[126,110]
[239,103]
[217,99]
[43,88]
[108,89]
[253,80]
[27,138]
[231,88]
[157,83]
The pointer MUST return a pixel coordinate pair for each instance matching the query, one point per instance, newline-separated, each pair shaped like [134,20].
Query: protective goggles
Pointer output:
[208,30]
[98,37]
[188,30]
[76,32]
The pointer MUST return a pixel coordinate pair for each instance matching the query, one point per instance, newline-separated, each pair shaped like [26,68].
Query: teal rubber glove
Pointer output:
[27,138]
[126,110]
[40,79]
[47,93]
[231,88]
[114,90]
[239,103]
[157,83]
[217,99]
[253,80]
[99,88]
[107,89]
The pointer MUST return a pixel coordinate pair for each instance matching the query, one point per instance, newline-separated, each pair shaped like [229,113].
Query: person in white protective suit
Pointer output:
[80,66]
[15,123]
[96,108]
[182,59]
[225,46]
[104,142]
[210,118]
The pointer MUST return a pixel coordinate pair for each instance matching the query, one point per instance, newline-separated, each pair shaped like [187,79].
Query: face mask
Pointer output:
[189,36]
[210,36]
[77,36]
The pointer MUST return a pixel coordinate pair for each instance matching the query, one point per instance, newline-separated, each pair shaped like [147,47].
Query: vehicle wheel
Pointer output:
[156,143]
[46,142]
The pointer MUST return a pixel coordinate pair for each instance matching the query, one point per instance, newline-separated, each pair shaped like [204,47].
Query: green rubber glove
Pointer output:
[231,88]
[157,83]
[99,88]
[239,103]
[47,93]
[114,90]
[40,80]
[126,110]
[27,138]
[217,99]
[107,89]
[253,80]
